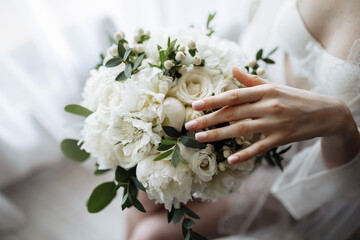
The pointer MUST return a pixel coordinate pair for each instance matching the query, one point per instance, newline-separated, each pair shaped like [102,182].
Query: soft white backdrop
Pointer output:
[47,48]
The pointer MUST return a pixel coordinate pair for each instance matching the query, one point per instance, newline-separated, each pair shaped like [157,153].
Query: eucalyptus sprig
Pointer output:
[253,66]
[209,28]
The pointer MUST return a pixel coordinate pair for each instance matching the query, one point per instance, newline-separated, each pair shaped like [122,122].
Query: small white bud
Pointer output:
[137,38]
[114,51]
[119,36]
[252,63]
[148,33]
[140,32]
[197,60]
[240,140]
[168,64]
[227,153]
[209,148]
[225,148]
[246,144]
[139,48]
[260,71]
[182,48]
[192,44]
[222,166]
[179,56]
[182,70]
[126,46]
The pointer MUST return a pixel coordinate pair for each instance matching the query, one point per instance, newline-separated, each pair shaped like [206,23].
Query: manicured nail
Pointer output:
[191,125]
[198,104]
[201,136]
[232,159]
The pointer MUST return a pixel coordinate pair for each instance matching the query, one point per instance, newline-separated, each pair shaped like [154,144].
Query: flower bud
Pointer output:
[126,46]
[227,153]
[182,48]
[139,48]
[137,38]
[192,44]
[225,148]
[260,71]
[168,64]
[114,51]
[240,140]
[119,36]
[179,56]
[182,70]
[197,60]
[140,32]
[252,63]
[210,148]
[222,166]
[246,144]
[148,33]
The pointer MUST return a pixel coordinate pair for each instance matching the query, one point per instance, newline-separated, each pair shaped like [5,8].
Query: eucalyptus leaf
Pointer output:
[113,62]
[269,61]
[162,57]
[127,70]
[164,147]
[138,61]
[170,215]
[191,142]
[121,76]
[197,236]
[137,204]
[190,213]
[272,51]
[138,184]
[178,215]
[285,150]
[188,235]
[98,172]
[170,131]
[259,54]
[176,157]
[122,175]
[172,45]
[121,49]
[127,53]
[188,223]
[101,197]
[164,155]
[73,151]
[125,197]
[78,110]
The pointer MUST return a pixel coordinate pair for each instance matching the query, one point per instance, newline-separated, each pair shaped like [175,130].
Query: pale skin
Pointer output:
[283,114]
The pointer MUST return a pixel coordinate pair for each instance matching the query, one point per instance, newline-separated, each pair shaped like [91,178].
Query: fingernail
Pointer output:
[191,125]
[201,136]
[232,159]
[198,104]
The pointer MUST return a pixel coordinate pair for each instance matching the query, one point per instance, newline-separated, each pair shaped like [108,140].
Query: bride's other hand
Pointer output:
[283,114]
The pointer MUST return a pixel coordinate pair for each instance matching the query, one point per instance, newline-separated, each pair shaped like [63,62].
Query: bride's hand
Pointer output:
[283,114]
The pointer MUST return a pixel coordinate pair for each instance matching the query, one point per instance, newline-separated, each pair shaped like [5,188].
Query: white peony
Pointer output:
[191,114]
[164,183]
[204,165]
[174,113]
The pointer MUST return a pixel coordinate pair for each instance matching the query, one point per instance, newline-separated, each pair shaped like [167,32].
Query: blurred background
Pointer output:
[47,48]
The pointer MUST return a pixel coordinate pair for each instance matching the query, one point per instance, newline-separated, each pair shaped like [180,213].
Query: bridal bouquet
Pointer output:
[136,103]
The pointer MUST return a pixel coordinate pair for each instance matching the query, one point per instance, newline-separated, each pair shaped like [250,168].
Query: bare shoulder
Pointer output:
[335,24]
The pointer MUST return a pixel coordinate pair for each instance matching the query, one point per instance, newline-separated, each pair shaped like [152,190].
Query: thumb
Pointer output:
[248,79]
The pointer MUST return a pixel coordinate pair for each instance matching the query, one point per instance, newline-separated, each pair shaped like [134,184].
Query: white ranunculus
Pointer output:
[164,183]
[191,114]
[225,85]
[174,113]
[204,165]
[195,84]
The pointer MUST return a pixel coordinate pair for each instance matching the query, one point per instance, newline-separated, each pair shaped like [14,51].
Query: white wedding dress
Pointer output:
[307,200]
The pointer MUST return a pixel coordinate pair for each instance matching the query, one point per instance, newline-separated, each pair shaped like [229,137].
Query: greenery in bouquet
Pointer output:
[135,105]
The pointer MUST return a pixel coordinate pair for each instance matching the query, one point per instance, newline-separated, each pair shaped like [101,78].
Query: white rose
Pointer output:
[195,84]
[174,113]
[191,114]
[204,165]
[164,183]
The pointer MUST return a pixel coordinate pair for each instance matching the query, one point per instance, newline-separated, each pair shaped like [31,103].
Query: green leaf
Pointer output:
[192,52]
[98,172]
[78,110]
[125,197]
[259,54]
[121,76]
[138,184]
[121,49]
[162,57]
[268,60]
[122,175]
[168,142]
[138,61]
[188,235]
[101,197]
[208,27]
[127,53]
[197,236]
[164,147]
[178,214]
[190,213]
[191,142]
[172,45]
[113,62]
[153,65]
[170,131]
[188,223]
[170,215]
[73,151]
[137,204]
[176,157]
[164,155]
[143,38]
[272,51]
[127,71]
[284,150]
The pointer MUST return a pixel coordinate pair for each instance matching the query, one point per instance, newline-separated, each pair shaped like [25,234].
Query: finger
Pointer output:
[226,114]
[232,97]
[243,128]
[247,79]
[254,150]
